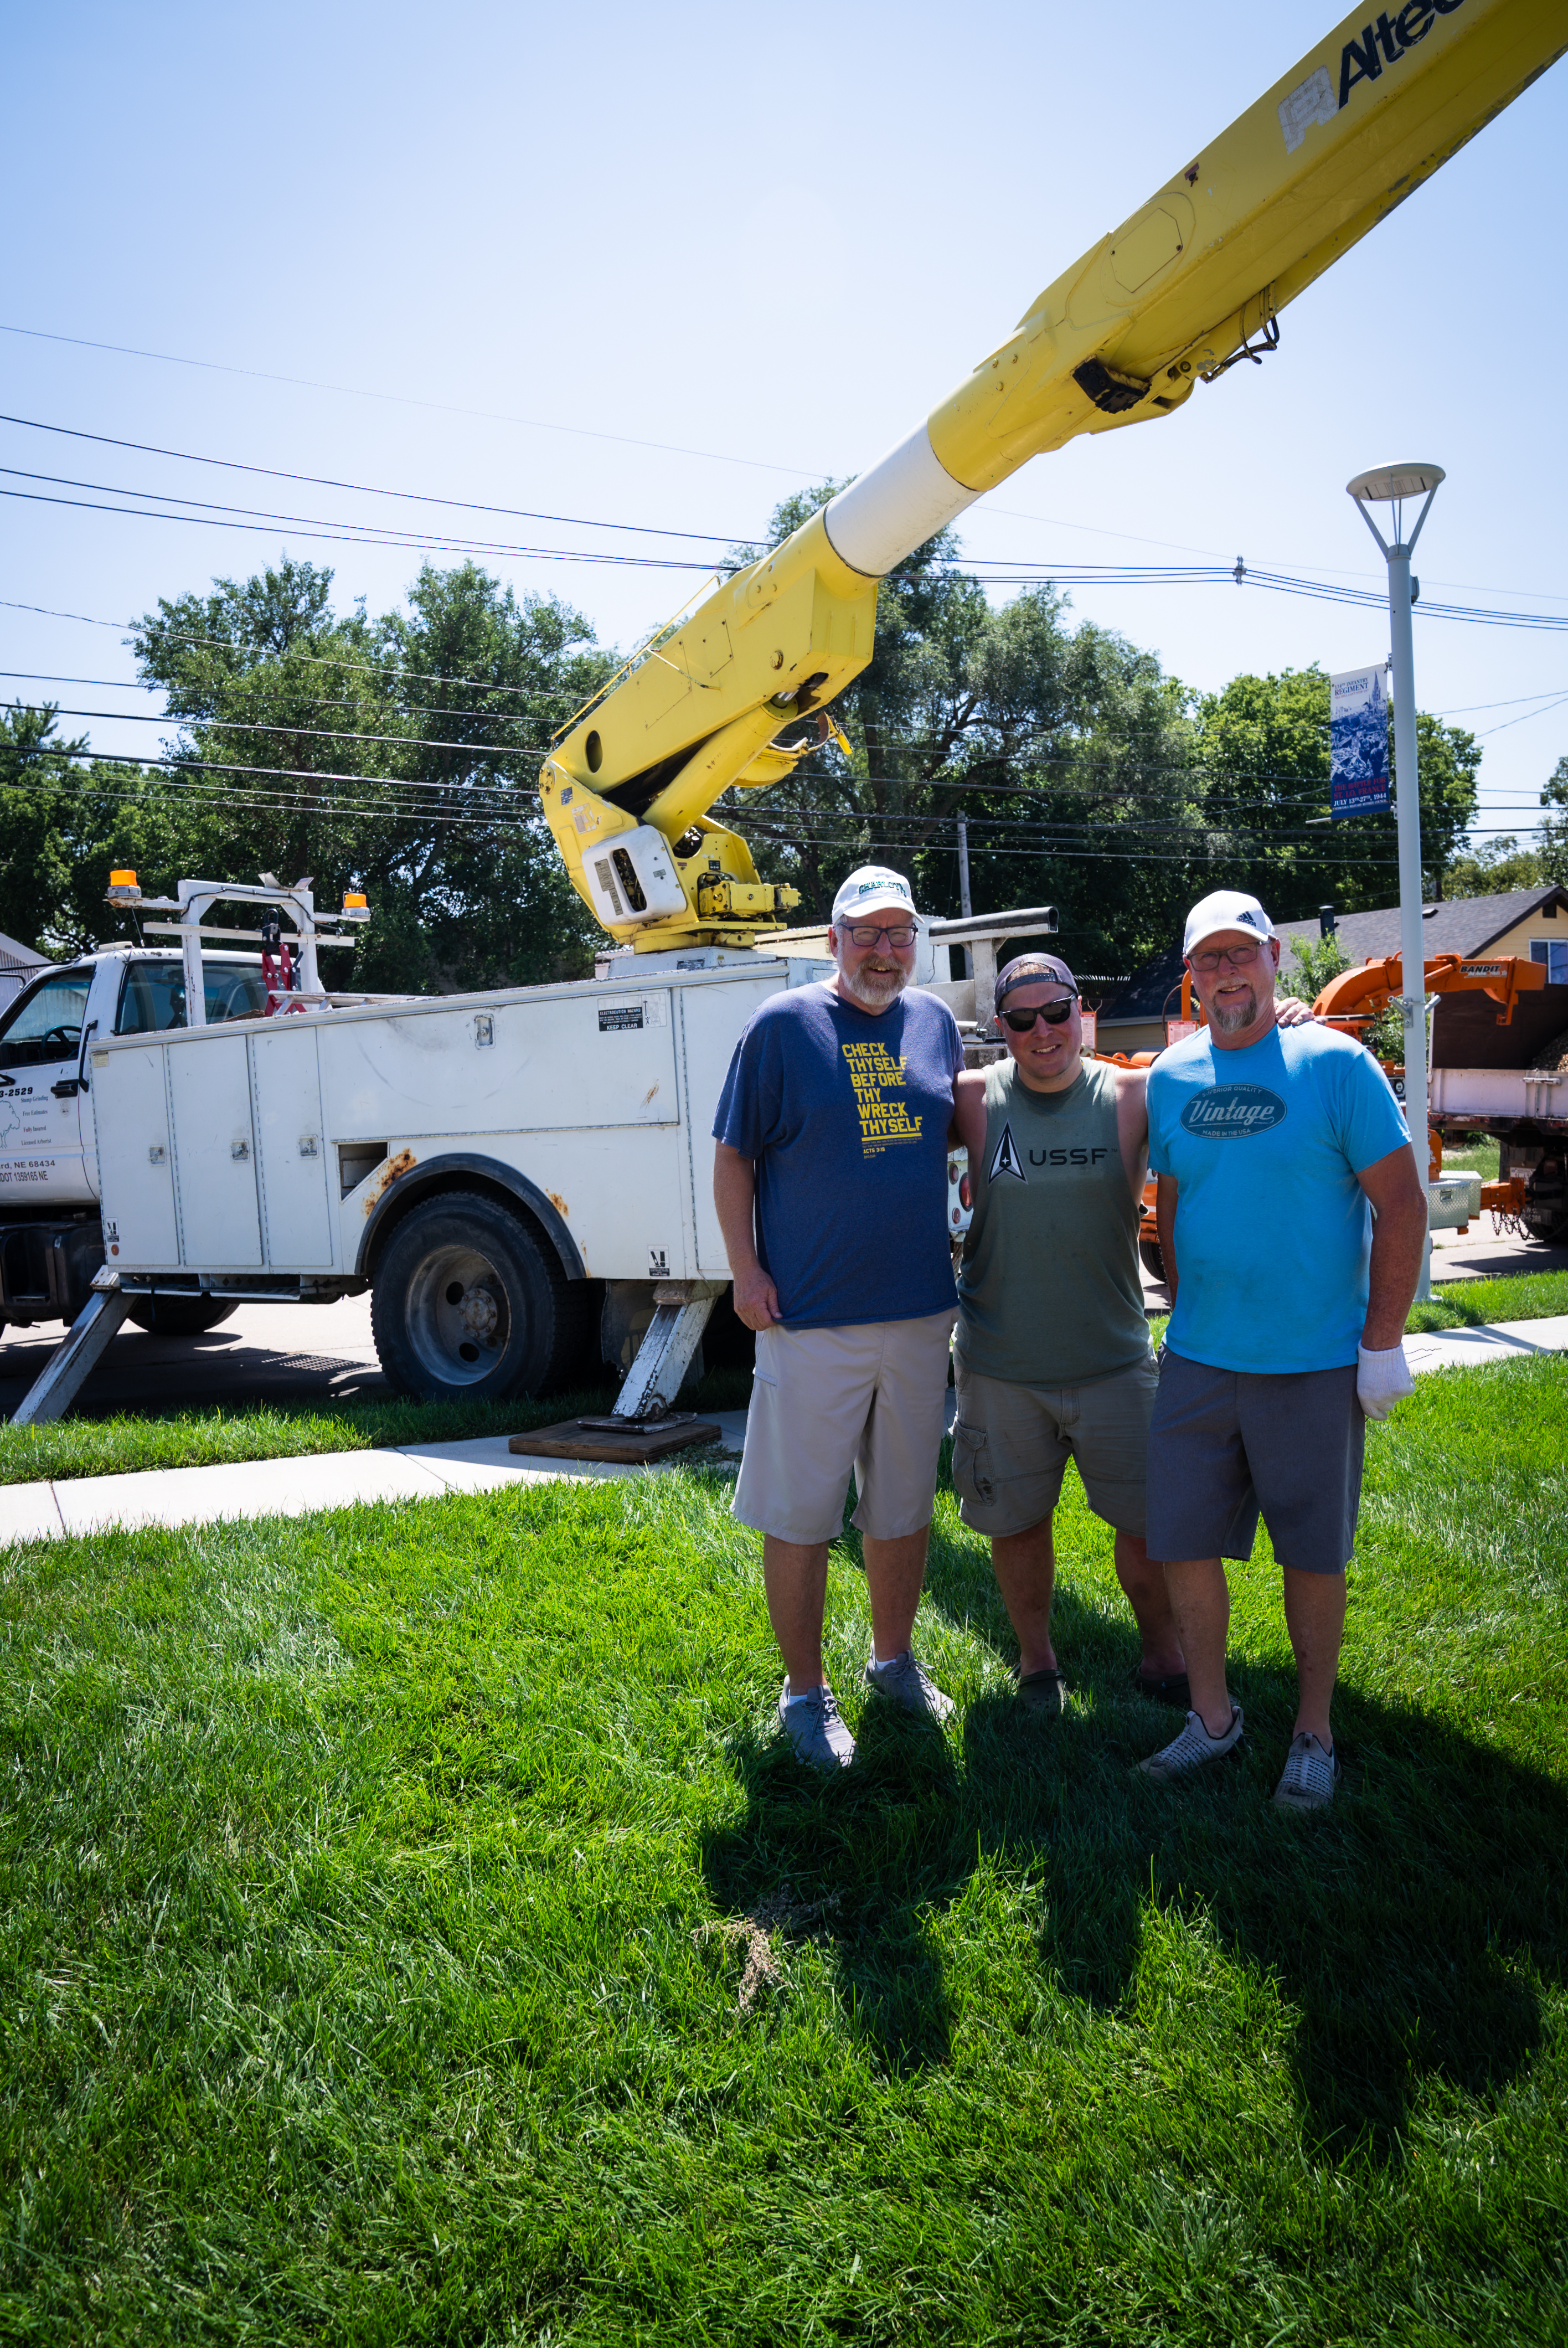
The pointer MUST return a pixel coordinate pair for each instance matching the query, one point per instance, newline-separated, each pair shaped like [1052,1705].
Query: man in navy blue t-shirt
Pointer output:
[831,1185]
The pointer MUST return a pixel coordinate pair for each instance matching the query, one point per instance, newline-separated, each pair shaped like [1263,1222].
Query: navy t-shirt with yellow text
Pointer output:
[845,1114]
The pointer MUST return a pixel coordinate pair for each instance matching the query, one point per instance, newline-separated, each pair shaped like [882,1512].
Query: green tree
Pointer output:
[397,755]
[69,821]
[1552,833]
[1496,865]
[1265,751]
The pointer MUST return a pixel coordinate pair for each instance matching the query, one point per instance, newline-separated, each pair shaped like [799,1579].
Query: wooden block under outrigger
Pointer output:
[625,1441]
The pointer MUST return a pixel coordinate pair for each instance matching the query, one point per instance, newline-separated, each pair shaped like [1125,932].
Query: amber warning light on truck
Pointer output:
[354,907]
[123,890]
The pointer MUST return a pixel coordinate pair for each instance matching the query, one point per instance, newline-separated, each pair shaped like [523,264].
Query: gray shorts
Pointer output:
[870,1398]
[1226,1447]
[1012,1445]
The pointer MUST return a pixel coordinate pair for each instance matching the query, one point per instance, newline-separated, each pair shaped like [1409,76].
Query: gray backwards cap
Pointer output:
[1028,969]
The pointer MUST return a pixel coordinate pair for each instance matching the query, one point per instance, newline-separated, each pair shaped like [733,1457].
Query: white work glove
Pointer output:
[1382,1379]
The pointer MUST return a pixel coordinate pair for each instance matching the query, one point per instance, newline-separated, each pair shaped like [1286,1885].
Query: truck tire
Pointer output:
[179,1316]
[469,1300]
[1153,1260]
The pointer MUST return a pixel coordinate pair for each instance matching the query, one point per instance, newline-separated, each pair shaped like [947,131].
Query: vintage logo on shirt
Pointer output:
[876,1074]
[1230,1112]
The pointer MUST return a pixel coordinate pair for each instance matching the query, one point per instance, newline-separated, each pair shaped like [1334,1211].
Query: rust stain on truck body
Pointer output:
[404,1163]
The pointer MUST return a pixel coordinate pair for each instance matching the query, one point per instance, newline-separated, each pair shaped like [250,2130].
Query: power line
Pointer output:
[1035,575]
[309,733]
[402,399]
[326,481]
[156,628]
[363,534]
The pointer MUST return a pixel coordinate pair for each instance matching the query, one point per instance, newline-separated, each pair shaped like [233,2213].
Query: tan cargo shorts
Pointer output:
[871,1398]
[1012,1445]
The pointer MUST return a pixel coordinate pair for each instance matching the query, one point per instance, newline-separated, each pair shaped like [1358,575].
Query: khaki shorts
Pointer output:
[1012,1445]
[872,1398]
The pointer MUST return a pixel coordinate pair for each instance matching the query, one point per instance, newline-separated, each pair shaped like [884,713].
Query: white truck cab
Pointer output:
[51,1239]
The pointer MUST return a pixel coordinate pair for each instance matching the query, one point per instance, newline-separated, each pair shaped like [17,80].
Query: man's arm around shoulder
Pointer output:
[1132,1125]
[968,1126]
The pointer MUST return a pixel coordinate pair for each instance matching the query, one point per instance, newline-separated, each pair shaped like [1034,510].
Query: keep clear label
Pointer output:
[654,1010]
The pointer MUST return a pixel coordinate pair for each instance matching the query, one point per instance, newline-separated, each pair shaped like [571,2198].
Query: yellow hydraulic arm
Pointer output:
[1189,284]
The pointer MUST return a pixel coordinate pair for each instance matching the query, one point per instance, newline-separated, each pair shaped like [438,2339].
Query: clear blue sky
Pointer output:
[661,266]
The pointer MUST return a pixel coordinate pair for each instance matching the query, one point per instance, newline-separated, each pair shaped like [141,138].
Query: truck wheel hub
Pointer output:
[479,1312]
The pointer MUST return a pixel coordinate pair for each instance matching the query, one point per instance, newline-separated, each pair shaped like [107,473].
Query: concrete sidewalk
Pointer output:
[426,1472]
[296,1488]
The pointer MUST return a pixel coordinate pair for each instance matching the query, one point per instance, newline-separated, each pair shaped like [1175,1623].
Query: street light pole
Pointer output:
[1392,484]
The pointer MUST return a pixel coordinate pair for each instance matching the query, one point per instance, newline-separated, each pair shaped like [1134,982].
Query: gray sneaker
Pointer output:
[1310,1775]
[1192,1749]
[815,1726]
[908,1684]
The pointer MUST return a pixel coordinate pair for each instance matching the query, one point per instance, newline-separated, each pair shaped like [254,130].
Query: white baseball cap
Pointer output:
[874,889]
[1225,909]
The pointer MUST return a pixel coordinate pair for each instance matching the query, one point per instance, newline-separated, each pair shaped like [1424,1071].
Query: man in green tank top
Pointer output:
[1052,1359]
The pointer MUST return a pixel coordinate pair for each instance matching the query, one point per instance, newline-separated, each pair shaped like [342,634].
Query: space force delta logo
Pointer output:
[1362,59]
[1007,1158]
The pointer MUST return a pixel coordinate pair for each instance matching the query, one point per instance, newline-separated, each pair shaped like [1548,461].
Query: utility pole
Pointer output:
[1392,485]
[965,908]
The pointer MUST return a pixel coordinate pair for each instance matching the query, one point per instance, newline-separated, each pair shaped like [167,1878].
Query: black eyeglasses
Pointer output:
[1055,1015]
[866,933]
[1238,957]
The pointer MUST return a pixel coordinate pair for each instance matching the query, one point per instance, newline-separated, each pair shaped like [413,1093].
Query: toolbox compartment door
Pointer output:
[139,1223]
[214,1153]
[292,1145]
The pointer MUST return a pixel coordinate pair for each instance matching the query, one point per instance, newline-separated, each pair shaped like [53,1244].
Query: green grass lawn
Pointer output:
[1479,1157]
[379,1961]
[1468,1304]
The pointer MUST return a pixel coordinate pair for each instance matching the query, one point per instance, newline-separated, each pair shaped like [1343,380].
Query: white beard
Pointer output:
[1238,1013]
[874,989]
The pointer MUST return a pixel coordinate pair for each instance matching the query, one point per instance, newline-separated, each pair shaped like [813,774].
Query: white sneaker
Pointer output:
[1192,1749]
[1310,1775]
[908,1683]
[815,1728]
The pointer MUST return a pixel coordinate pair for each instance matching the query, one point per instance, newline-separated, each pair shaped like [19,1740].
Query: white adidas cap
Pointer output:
[874,889]
[1225,909]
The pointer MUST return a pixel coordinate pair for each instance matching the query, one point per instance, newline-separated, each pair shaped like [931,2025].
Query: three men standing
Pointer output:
[1271,1144]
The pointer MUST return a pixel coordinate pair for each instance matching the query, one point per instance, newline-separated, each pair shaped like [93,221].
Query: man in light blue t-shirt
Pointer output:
[1272,1146]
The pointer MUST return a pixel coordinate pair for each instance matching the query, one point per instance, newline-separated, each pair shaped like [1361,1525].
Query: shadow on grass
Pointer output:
[1409,1927]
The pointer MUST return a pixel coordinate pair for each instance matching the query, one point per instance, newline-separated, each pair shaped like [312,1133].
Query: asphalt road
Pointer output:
[303,1352]
[264,1352]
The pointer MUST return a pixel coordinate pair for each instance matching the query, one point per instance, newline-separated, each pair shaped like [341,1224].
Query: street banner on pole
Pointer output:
[1358,742]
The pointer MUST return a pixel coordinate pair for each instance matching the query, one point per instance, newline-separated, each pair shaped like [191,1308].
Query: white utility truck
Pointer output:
[519,1178]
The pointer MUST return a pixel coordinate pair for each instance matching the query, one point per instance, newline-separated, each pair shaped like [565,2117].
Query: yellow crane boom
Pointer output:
[1193,282]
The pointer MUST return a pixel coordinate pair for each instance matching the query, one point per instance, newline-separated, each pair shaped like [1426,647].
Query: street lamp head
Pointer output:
[1385,483]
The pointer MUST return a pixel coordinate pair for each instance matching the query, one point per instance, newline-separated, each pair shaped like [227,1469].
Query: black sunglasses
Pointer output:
[1054,1014]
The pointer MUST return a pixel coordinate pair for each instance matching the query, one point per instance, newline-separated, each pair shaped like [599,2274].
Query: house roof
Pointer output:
[1461,925]
[15,955]
[1149,993]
